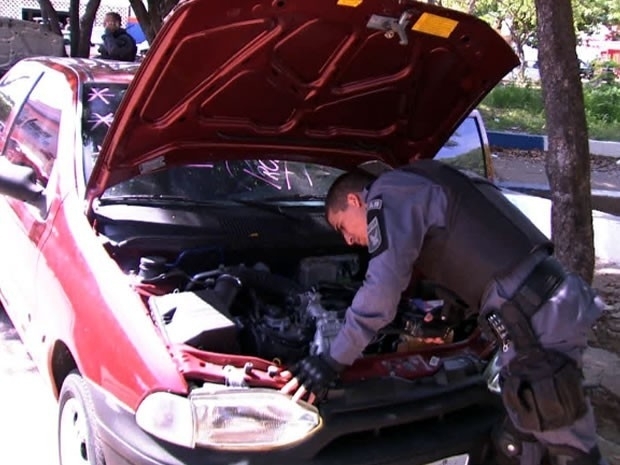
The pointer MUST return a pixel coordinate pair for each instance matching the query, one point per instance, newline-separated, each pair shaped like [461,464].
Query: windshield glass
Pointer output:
[99,104]
[240,179]
[266,179]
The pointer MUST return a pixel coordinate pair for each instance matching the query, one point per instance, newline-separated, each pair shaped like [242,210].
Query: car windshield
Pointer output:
[256,179]
[260,180]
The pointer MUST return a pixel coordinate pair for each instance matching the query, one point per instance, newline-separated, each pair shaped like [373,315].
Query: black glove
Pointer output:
[316,372]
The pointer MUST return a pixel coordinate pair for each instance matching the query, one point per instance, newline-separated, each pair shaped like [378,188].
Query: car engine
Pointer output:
[253,311]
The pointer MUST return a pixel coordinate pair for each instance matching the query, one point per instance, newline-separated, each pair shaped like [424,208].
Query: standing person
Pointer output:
[464,235]
[117,43]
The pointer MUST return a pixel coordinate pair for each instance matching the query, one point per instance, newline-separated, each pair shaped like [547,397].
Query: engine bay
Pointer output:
[283,316]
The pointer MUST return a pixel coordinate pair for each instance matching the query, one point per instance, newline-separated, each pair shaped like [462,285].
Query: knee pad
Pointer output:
[542,390]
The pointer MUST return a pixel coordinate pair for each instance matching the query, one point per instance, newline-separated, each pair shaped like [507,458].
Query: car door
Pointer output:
[14,88]
[30,138]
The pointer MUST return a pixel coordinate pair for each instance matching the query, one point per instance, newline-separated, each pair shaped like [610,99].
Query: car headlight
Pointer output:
[491,373]
[228,419]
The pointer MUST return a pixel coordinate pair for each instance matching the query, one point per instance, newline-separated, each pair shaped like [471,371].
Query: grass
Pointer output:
[512,107]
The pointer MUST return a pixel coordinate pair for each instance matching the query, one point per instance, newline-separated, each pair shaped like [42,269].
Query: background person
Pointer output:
[117,43]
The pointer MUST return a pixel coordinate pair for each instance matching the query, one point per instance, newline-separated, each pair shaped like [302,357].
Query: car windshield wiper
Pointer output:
[295,198]
[154,200]
[159,200]
[266,205]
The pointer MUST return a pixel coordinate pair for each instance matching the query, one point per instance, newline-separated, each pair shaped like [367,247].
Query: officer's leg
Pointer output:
[541,388]
[562,324]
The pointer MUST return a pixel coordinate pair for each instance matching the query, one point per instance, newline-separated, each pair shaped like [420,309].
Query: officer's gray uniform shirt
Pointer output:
[401,208]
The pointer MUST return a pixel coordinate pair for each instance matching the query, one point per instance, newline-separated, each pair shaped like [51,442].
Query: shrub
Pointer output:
[602,102]
[512,107]
[511,96]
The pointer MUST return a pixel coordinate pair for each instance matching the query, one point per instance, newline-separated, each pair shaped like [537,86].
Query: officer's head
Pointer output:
[345,207]
[112,21]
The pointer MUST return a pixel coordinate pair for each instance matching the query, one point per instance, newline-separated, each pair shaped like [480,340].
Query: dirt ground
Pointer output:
[528,166]
[606,335]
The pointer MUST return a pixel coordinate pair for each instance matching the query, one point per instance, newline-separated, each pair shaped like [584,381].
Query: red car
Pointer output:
[165,249]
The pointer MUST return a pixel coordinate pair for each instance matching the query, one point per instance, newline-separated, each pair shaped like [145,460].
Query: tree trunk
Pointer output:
[568,160]
[49,15]
[86,27]
[151,18]
[155,16]
[74,26]
[143,19]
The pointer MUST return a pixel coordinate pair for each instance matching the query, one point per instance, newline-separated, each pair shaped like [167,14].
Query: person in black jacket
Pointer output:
[117,43]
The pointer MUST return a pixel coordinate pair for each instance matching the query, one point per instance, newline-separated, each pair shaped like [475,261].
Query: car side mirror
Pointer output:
[19,182]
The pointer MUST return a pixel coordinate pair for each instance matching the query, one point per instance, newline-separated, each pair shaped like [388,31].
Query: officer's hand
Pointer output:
[311,376]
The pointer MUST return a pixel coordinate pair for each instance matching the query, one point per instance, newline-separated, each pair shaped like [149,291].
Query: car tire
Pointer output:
[78,435]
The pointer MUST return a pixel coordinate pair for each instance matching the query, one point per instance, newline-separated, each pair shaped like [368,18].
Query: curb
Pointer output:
[517,140]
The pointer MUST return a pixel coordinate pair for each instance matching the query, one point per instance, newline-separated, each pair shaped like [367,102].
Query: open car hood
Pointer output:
[334,81]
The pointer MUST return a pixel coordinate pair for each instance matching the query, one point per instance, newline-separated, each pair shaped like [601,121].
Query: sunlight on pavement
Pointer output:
[27,409]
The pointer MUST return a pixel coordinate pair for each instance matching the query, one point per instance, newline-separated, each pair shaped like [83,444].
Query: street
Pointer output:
[27,409]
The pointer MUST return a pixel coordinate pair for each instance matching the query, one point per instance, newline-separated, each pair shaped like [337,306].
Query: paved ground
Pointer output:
[529,167]
[27,410]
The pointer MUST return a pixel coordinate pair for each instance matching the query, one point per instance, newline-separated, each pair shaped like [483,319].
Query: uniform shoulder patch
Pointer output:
[375,204]
[377,237]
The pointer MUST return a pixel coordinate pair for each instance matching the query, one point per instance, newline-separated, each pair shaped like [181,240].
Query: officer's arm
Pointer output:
[399,216]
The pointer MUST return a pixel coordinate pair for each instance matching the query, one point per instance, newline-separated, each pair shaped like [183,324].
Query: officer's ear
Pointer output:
[354,200]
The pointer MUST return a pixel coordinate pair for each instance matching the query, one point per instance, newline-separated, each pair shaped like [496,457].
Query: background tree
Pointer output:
[50,16]
[589,14]
[567,161]
[86,27]
[81,28]
[518,17]
[74,27]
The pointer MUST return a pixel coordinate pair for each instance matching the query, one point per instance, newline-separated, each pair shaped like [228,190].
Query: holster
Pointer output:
[542,390]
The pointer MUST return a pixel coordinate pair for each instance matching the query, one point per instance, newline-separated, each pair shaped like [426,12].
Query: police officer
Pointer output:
[464,235]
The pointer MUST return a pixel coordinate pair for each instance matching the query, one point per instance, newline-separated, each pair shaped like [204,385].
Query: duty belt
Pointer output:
[511,324]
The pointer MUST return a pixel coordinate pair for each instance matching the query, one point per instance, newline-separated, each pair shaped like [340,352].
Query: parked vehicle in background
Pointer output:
[166,251]
[586,70]
[531,71]
[21,39]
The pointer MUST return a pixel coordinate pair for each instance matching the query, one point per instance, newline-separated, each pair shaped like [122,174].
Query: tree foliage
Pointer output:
[519,16]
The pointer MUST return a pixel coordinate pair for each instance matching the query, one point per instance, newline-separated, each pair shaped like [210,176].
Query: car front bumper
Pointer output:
[438,428]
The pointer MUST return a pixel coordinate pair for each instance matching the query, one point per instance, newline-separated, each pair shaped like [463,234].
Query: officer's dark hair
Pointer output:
[114,15]
[351,182]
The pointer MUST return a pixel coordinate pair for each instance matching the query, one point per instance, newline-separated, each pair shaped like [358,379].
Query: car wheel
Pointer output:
[78,436]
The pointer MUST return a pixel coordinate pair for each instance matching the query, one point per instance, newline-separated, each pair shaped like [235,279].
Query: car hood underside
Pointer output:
[336,81]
